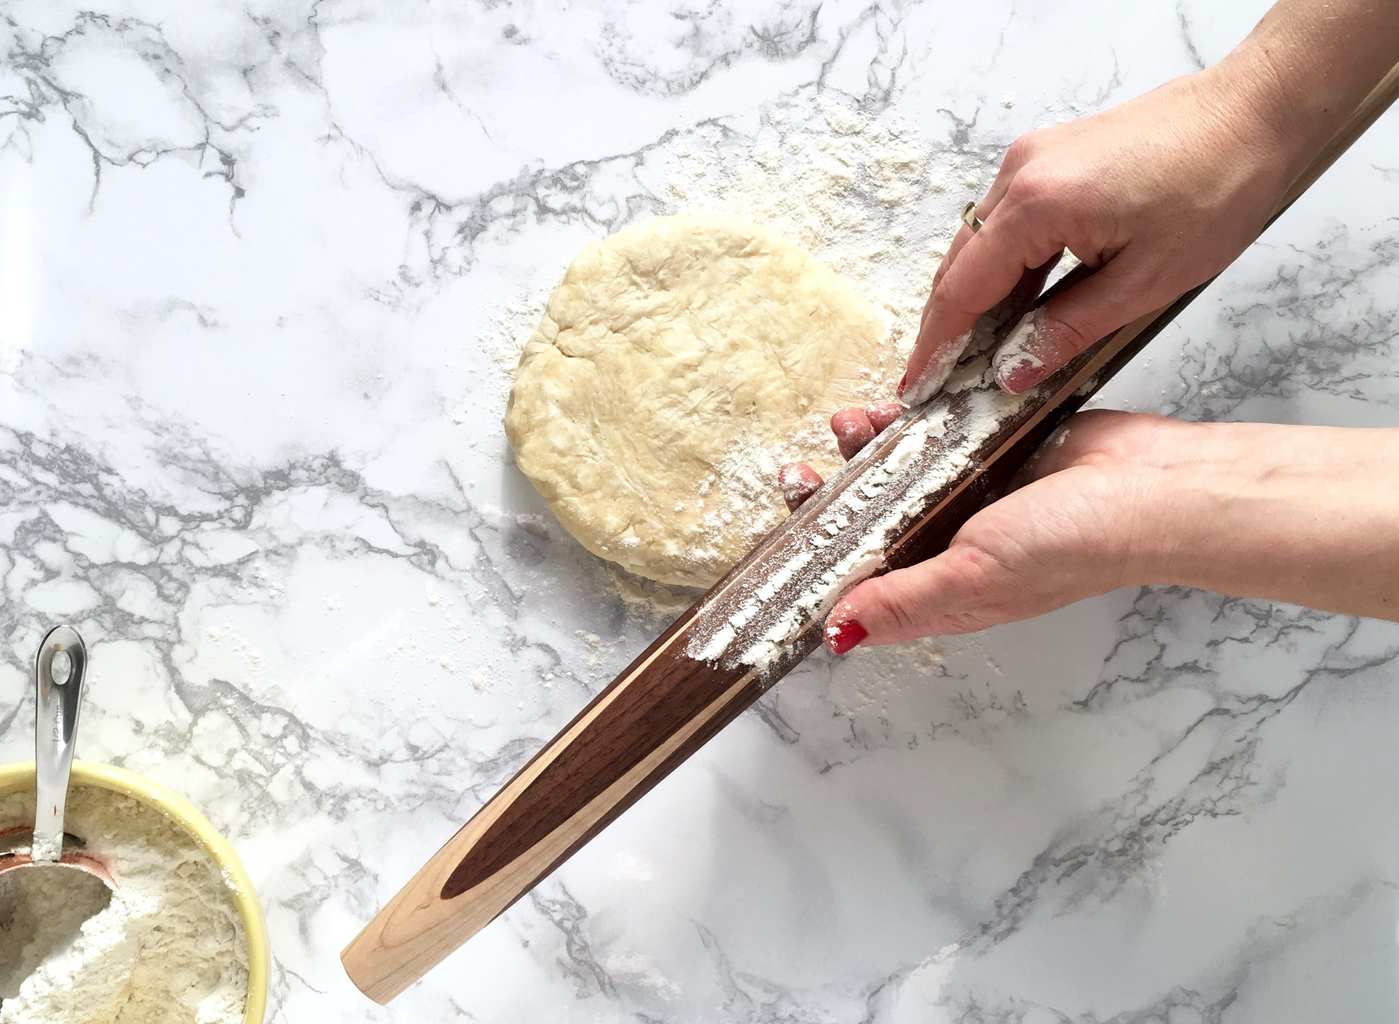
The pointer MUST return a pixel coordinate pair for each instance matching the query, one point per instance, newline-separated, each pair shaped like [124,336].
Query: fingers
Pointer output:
[798,482]
[1067,325]
[992,264]
[854,428]
[882,414]
[959,241]
[931,361]
[946,594]
[944,359]
[987,270]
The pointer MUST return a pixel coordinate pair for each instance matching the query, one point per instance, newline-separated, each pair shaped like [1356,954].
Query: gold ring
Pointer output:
[969,217]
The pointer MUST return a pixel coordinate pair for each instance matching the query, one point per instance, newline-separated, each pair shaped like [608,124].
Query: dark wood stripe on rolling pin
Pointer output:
[652,706]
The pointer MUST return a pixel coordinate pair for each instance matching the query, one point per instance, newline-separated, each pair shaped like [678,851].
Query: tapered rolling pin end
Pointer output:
[368,969]
[413,933]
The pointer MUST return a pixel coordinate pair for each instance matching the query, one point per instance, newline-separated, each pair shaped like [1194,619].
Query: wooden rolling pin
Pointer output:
[912,488]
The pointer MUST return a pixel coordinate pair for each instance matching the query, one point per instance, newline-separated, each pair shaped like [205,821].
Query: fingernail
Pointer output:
[938,369]
[843,637]
[1020,377]
[903,383]
[1019,365]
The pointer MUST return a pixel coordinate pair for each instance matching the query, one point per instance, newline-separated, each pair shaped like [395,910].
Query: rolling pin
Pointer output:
[899,501]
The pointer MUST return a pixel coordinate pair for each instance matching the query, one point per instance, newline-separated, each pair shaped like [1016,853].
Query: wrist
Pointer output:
[1253,98]
[1306,66]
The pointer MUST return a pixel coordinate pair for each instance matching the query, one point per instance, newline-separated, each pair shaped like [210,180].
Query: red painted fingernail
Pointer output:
[843,637]
[1020,363]
[1021,376]
[903,383]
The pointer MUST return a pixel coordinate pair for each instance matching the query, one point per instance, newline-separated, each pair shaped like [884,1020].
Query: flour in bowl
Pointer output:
[168,948]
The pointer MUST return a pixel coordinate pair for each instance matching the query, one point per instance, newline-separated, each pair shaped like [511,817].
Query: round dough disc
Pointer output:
[678,365]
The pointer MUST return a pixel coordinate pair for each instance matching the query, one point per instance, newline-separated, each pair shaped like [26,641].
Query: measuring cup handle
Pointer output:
[58,701]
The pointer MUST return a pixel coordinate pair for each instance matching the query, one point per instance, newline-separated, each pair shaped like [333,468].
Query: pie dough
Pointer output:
[680,363]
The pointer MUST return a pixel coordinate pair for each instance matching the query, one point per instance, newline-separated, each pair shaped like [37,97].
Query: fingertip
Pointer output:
[938,365]
[881,414]
[1023,360]
[843,631]
[798,482]
[844,637]
[853,430]
[1068,325]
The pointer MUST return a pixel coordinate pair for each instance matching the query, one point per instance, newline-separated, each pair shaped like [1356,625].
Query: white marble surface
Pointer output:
[254,260]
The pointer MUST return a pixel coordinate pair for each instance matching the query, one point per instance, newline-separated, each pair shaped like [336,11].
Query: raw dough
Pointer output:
[678,365]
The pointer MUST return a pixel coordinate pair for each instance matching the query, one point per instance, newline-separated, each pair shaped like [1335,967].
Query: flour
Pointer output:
[168,948]
[737,495]
[846,543]
[1022,348]
[866,193]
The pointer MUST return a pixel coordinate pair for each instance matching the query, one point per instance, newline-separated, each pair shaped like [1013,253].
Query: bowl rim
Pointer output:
[192,821]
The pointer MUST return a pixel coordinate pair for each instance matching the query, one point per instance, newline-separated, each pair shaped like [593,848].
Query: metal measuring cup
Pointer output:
[60,671]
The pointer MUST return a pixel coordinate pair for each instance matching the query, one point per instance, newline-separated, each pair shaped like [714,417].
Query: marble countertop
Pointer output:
[257,266]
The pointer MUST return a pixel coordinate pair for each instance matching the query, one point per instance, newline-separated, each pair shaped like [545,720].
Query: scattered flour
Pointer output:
[866,193]
[797,583]
[168,947]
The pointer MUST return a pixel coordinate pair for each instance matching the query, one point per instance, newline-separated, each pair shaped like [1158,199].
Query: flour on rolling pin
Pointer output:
[802,576]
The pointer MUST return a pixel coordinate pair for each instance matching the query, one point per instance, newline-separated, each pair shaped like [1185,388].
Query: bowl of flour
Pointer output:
[179,939]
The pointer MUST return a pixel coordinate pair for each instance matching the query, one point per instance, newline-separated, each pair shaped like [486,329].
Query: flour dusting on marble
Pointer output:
[864,191]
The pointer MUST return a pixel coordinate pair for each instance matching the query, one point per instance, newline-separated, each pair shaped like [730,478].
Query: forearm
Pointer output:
[1308,64]
[1308,515]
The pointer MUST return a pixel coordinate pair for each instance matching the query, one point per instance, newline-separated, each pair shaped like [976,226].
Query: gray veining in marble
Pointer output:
[253,263]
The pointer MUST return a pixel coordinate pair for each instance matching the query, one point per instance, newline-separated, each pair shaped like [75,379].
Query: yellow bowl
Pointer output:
[104,776]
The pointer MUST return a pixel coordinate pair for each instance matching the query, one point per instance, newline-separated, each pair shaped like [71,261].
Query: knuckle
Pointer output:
[949,294]
[1082,222]
[1100,429]
[982,579]
[984,571]
[1022,149]
[1067,336]
[896,608]
[1032,188]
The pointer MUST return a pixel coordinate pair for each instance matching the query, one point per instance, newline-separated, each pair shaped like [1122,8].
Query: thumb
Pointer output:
[1067,325]
[956,592]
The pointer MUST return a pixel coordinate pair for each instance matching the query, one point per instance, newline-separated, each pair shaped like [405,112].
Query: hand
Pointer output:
[1299,514]
[1068,532]
[1158,194]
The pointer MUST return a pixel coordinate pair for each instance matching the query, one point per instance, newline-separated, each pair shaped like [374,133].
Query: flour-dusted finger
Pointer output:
[881,414]
[995,265]
[798,482]
[853,430]
[1069,323]
[956,592]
